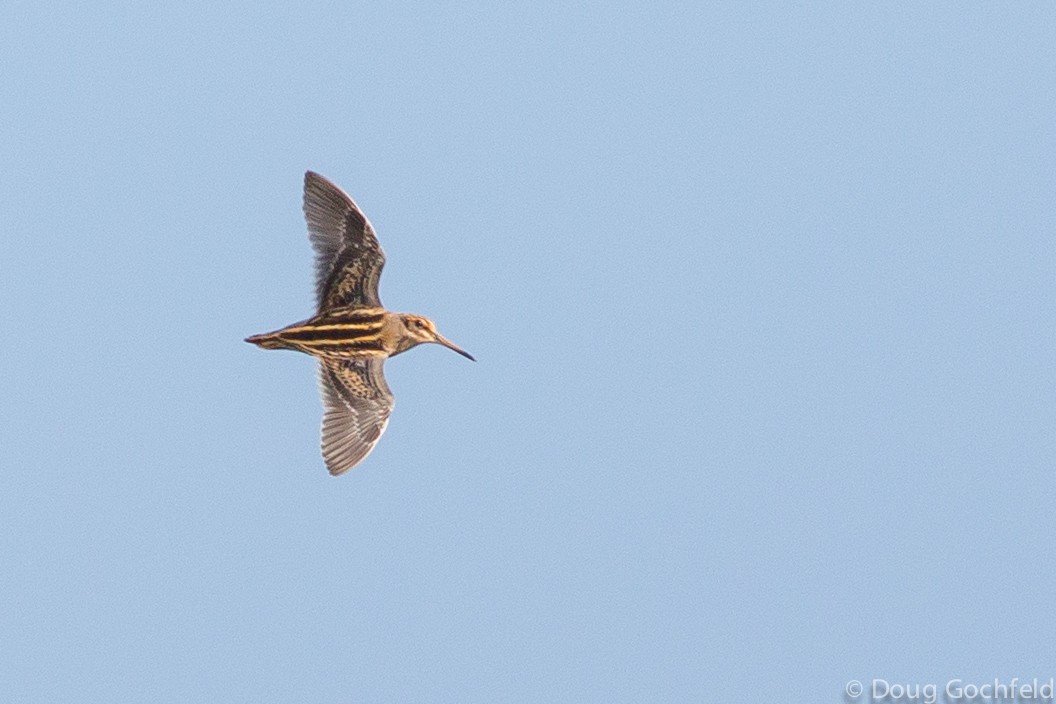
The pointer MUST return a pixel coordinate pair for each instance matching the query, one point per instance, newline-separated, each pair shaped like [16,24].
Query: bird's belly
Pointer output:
[342,351]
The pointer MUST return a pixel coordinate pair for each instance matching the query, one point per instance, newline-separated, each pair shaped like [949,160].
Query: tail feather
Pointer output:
[268,341]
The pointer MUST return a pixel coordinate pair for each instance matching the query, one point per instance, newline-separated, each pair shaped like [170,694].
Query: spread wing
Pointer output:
[348,258]
[358,403]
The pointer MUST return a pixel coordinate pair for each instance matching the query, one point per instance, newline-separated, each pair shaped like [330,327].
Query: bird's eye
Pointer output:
[419,324]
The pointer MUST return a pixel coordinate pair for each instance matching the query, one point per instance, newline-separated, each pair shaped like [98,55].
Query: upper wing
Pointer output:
[348,258]
[358,403]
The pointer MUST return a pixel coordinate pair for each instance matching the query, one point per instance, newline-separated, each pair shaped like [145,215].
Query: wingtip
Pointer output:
[336,471]
[317,178]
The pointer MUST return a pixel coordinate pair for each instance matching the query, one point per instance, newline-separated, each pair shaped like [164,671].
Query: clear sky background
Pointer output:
[762,298]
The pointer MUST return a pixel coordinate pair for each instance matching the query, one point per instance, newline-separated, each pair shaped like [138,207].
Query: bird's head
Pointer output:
[418,329]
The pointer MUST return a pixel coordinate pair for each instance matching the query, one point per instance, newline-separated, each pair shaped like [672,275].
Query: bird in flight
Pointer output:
[351,333]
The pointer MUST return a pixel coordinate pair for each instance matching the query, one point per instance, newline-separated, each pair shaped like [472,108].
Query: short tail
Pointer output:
[268,341]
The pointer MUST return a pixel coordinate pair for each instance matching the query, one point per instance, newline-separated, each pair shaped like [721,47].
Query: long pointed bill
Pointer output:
[440,340]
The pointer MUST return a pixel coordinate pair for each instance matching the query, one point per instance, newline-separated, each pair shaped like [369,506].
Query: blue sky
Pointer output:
[761,297]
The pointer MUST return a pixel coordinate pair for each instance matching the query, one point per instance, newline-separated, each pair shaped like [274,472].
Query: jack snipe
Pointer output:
[351,334]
